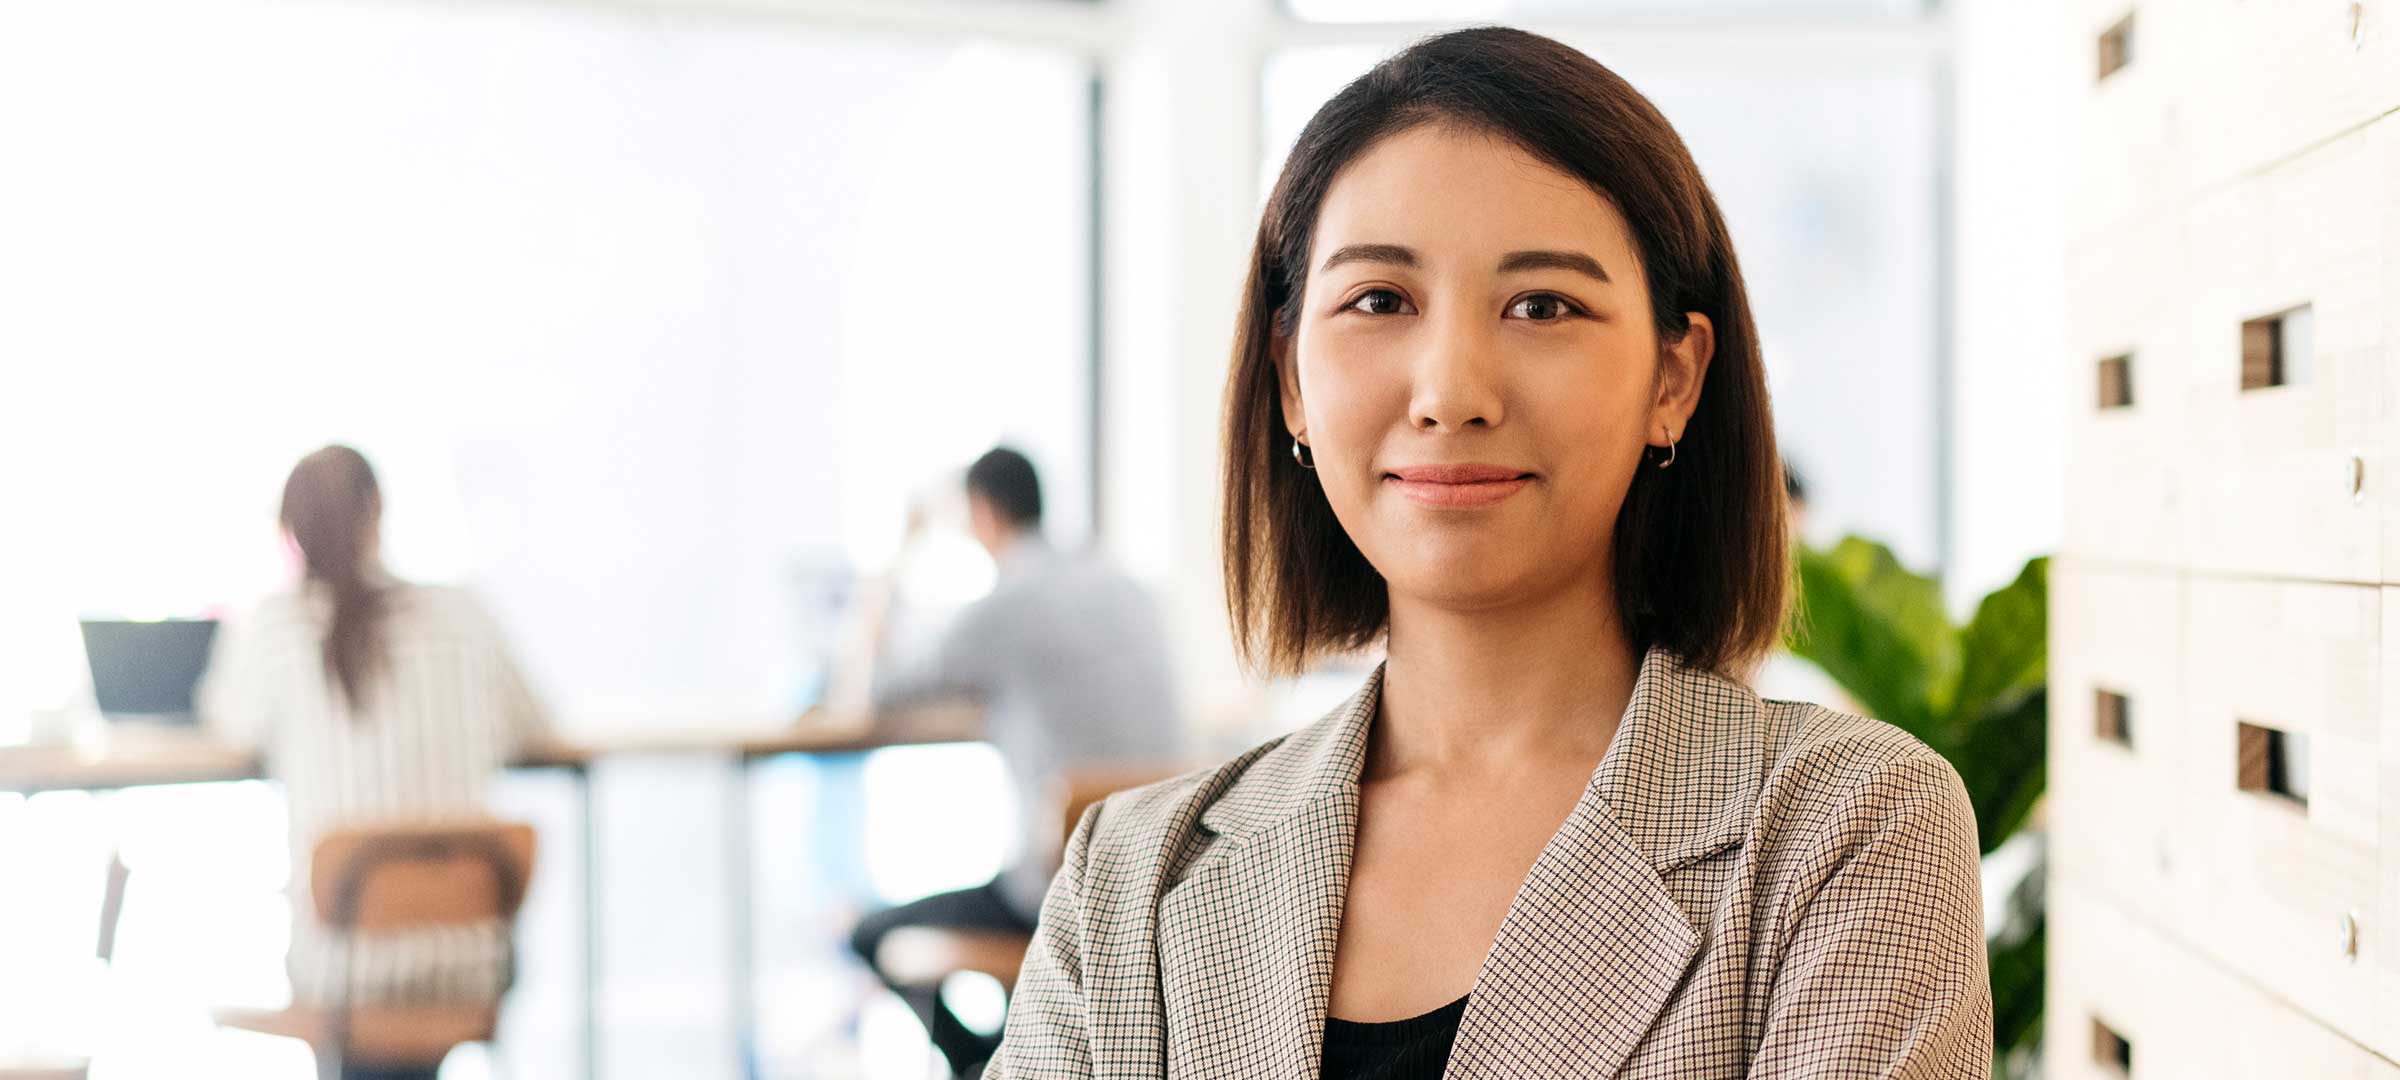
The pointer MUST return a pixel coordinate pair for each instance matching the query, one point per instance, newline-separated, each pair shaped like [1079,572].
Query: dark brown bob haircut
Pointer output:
[1701,559]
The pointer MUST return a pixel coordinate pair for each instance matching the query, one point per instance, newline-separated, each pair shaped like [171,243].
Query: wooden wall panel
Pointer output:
[2127,140]
[2276,478]
[2281,76]
[2270,881]
[2118,633]
[2125,463]
[2181,1016]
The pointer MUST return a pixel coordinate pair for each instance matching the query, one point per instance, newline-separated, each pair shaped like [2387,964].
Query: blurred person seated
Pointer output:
[375,702]
[1069,661]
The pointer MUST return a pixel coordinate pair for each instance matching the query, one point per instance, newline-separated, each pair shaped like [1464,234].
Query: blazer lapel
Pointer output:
[1247,939]
[1595,945]
[1590,952]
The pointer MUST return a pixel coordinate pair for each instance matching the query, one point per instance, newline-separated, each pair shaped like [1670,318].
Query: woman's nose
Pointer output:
[1456,385]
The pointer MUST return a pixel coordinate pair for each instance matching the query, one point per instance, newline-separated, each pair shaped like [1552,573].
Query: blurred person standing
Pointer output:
[375,701]
[1069,660]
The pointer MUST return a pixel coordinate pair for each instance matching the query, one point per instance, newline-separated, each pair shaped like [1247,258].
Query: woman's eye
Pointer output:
[1541,307]
[1379,302]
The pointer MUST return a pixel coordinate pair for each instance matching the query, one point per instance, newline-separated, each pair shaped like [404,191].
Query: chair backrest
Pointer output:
[398,877]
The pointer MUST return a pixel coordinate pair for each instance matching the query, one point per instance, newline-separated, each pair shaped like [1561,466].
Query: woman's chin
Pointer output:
[1468,584]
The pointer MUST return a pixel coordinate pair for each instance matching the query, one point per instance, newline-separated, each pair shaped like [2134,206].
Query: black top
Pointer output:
[1413,1049]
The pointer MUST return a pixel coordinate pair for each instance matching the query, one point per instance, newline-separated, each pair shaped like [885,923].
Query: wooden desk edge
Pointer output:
[28,770]
[32,770]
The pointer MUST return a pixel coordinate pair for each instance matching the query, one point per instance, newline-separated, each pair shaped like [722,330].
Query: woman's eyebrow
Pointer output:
[1575,261]
[1380,253]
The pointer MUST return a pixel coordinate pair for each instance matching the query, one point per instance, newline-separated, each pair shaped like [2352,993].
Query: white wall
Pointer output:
[2009,332]
[1180,140]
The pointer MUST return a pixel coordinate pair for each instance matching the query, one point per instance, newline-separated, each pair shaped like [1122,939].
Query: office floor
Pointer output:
[204,918]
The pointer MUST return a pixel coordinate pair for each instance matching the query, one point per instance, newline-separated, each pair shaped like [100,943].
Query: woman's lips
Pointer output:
[1452,487]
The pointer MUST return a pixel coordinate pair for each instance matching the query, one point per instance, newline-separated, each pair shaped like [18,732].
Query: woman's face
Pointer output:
[1475,370]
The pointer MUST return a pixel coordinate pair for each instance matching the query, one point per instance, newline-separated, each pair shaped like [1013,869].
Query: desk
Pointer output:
[152,760]
[31,769]
[157,760]
[818,733]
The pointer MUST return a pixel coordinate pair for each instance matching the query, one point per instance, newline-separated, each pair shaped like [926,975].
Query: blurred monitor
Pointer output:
[825,585]
[147,670]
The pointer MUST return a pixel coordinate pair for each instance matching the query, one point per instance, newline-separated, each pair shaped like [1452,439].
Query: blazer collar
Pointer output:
[1681,775]
[1593,946]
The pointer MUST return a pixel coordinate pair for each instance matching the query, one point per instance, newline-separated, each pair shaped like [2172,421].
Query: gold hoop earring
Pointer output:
[1302,454]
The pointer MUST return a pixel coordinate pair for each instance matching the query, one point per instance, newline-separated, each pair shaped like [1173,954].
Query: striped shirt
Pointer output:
[445,710]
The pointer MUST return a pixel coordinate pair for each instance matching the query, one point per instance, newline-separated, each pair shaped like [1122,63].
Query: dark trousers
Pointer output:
[369,1072]
[979,908]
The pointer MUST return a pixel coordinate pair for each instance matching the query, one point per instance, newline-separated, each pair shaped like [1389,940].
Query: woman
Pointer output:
[1496,402]
[375,701]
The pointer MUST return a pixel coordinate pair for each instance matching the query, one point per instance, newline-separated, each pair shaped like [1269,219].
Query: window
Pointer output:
[639,315]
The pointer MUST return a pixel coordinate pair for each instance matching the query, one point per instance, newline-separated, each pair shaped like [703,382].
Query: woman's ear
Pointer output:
[1287,375]
[1684,369]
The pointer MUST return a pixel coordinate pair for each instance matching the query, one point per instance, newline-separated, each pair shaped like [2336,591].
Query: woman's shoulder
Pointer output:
[1811,736]
[440,610]
[1252,789]
[283,605]
[284,617]
[1836,777]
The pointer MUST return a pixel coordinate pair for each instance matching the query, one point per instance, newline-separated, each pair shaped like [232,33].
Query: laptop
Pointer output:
[146,671]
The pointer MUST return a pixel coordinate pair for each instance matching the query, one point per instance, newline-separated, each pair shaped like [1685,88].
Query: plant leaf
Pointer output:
[2017,985]
[2004,650]
[1878,630]
[2002,757]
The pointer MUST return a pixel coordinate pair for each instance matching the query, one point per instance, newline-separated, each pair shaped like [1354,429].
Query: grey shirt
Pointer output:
[1069,660]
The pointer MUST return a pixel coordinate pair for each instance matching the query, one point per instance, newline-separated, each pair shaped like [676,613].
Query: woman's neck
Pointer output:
[1488,690]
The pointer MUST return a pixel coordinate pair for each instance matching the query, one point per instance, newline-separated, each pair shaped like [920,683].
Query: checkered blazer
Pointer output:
[1747,888]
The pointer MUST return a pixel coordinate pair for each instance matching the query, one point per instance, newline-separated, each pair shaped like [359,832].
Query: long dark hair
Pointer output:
[1700,558]
[332,508]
